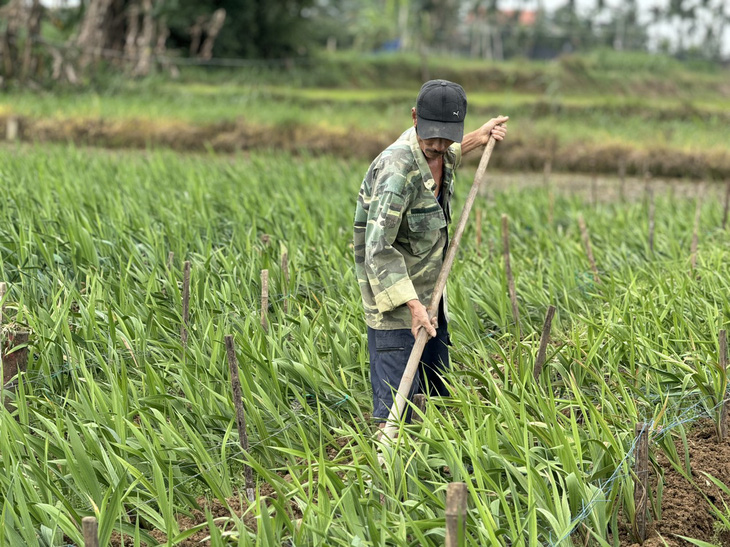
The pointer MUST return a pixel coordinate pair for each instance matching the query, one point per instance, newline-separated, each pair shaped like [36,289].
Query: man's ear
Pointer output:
[414,117]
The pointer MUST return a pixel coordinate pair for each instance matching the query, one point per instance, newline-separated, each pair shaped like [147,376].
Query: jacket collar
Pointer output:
[424,169]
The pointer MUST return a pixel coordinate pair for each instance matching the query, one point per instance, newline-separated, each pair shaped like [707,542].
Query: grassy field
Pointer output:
[115,418]
[636,122]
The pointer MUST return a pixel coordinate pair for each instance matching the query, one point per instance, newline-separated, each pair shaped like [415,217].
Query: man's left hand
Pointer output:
[495,127]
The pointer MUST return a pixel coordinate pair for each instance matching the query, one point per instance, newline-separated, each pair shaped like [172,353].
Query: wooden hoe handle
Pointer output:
[404,388]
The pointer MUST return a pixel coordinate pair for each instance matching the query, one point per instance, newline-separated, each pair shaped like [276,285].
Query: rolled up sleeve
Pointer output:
[384,264]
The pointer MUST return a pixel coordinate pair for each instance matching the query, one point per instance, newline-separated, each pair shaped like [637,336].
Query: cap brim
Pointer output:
[430,129]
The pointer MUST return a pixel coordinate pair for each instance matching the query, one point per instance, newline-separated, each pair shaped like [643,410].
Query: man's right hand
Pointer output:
[419,318]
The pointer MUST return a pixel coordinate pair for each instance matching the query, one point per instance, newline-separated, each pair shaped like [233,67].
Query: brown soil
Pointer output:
[237,505]
[685,511]
[14,354]
[523,154]
[234,506]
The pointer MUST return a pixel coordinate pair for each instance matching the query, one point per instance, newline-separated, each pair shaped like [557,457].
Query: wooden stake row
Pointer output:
[264,294]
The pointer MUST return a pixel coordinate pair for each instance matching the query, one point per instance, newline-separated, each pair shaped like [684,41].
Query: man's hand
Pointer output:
[419,316]
[495,128]
[479,137]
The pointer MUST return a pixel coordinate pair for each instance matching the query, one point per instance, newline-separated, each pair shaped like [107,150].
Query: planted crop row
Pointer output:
[114,417]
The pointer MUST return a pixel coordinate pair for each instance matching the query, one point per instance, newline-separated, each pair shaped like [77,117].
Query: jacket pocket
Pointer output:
[425,227]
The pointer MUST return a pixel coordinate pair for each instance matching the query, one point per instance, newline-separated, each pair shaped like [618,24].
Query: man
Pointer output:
[401,236]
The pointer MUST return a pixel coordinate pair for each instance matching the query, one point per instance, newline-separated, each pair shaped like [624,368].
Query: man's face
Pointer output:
[431,148]
[434,148]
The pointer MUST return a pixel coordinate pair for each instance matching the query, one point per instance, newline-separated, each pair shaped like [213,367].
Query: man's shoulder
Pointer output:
[397,159]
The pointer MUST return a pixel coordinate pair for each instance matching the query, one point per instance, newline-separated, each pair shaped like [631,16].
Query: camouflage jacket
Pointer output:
[401,231]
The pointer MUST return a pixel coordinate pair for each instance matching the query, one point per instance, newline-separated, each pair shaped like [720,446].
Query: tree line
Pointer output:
[70,41]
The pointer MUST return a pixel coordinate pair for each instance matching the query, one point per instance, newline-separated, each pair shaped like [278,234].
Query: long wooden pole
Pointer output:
[240,414]
[404,388]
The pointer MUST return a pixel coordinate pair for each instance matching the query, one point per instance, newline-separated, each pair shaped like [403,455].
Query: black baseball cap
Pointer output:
[440,110]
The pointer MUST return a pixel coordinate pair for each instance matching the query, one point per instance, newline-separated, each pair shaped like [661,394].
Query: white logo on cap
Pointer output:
[456,113]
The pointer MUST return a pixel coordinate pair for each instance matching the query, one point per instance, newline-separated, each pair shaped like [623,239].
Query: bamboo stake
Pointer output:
[240,415]
[508,272]
[651,220]
[265,299]
[594,184]
[727,205]
[285,275]
[91,531]
[185,304]
[479,232]
[546,172]
[695,234]
[647,180]
[419,401]
[404,388]
[455,514]
[12,129]
[622,177]
[544,339]
[641,481]
[551,206]
[587,244]
[722,418]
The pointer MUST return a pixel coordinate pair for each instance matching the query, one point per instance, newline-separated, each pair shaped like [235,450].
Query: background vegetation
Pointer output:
[230,133]
[116,418]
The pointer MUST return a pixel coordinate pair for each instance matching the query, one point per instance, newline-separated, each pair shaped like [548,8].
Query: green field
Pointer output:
[585,112]
[115,418]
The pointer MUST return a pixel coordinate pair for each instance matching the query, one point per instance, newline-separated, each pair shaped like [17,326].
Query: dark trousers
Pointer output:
[389,351]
